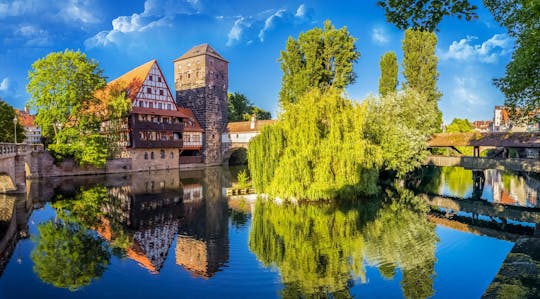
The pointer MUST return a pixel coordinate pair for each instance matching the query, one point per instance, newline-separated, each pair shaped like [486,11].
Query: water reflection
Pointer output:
[496,186]
[322,249]
[131,216]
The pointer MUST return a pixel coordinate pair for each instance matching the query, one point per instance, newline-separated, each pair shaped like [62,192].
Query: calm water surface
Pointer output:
[175,235]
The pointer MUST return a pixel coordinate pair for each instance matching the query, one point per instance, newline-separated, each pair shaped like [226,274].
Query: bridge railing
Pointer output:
[19,148]
[8,148]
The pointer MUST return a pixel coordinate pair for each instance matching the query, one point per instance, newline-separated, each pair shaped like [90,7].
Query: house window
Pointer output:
[159,79]
[145,155]
[150,78]
[168,106]
[152,155]
[150,105]
[159,104]
[172,155]
[162,154]
[161,92]
[141,104]
[148,90]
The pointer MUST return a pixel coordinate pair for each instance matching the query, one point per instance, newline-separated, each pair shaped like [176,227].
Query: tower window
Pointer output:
[152,155]
[148,90]
[188,75]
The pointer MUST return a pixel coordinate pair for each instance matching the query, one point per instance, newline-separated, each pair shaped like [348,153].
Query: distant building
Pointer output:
[502,122]
[31,131]
[483,126]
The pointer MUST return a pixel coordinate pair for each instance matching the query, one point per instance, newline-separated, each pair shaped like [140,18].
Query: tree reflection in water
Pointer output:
[320,249]
[68,255]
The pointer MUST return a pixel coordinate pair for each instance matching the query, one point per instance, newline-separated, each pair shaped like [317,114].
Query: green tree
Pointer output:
[459,125]
[425,14]
[420,65]
[319,58]
[7,114]
[240,108]
[400,124]
[62,85]
[69,256]
[520,83]
[389,73]
[64,88]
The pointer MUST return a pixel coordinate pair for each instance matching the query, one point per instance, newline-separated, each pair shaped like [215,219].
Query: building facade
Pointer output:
[201,83]
[157,133]
[31,131]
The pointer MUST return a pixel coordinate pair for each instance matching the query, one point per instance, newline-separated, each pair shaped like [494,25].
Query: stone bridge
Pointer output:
[238,136]
[17,161]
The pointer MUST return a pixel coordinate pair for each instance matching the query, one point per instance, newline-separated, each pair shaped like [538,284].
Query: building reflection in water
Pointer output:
[139,215]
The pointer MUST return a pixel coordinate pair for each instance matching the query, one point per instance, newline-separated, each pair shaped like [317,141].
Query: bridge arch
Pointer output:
[6,183]
[232,151]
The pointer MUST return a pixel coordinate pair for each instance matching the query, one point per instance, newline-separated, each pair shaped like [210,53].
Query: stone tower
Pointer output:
[201,83]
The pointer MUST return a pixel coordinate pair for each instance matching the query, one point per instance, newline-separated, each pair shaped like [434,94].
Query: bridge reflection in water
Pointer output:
[505,201]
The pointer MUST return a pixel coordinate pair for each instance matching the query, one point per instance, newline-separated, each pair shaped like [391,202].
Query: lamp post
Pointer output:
[15,128]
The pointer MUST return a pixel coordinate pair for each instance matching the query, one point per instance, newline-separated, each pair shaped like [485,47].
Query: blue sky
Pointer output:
[250,34]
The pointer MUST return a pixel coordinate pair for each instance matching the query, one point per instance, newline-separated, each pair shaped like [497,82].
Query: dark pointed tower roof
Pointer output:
[204,49]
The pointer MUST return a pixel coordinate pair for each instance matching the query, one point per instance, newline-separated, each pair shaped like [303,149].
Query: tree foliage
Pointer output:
[7,114]
[459,125]
[425,14]
[240,108]
[68,255]
[400,124]
[319,58]
[521,83]
[316,151]
[65,87]
[420,65]
[389,73]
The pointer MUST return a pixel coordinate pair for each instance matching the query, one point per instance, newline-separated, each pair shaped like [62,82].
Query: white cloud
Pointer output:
[15,8]
[487,52]
[33,35]
[301,11]
[269,22]
[379,35]
[155,14]
[465,91]
[235,34]
[4,85]
[78,11]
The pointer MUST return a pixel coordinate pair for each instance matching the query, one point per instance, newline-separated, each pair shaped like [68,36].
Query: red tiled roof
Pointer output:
[25,119]
[204,49]
[134,79]
[245,126]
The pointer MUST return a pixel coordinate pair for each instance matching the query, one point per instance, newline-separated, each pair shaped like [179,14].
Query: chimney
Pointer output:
[253,121]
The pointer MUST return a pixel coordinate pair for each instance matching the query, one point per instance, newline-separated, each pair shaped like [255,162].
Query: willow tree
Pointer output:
[389,73]
[319,58]
[317,150]
[420,65]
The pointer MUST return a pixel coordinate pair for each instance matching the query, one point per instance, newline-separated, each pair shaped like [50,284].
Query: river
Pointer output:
[173,234]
